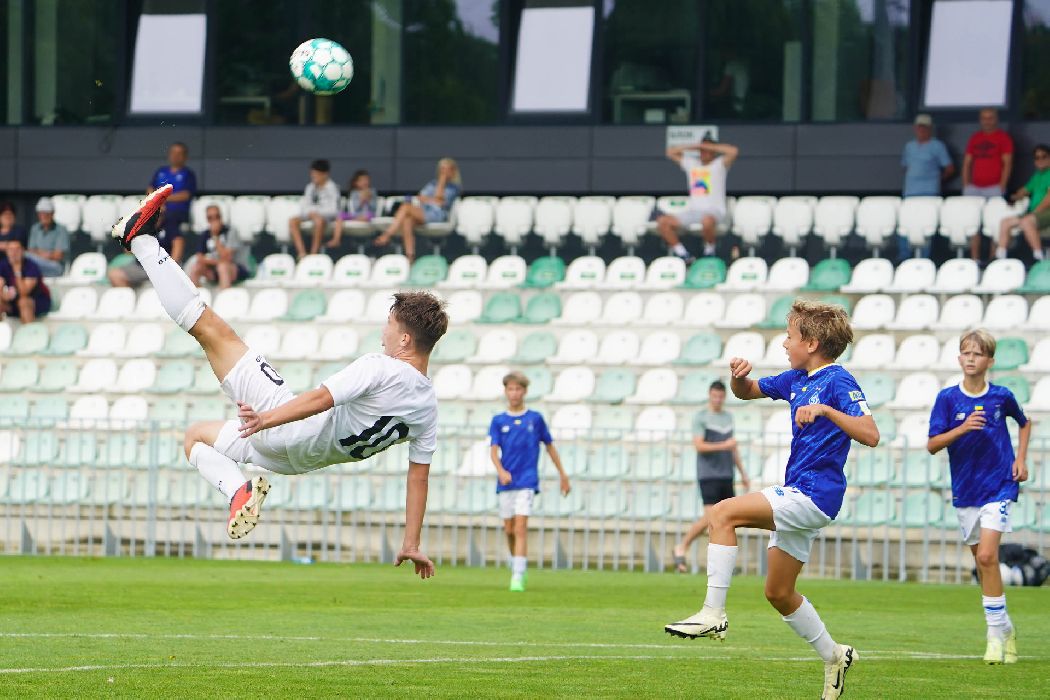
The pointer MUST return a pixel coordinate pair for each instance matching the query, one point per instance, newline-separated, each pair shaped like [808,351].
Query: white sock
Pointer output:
[999,624]
[220,471]
[679,250]
[709,248]
[518,565]
[1038,254]
[807,624]
[721,559]
[1000,253]
[176,292]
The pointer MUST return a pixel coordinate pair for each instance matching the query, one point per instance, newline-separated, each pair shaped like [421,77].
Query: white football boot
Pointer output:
[706,623]
[835,672]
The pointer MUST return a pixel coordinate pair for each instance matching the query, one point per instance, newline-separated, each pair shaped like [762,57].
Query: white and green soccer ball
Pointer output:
[321,66]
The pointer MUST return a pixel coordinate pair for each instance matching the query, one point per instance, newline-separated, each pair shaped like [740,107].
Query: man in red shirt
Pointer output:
[987,164]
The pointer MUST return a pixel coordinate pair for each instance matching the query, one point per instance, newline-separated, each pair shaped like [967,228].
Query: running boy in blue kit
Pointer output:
[828,410]
[970,420]
[515,436]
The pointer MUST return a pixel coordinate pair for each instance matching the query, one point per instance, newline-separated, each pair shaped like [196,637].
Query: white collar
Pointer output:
[987,386]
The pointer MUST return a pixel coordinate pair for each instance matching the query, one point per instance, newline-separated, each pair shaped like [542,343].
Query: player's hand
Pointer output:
[739,368]
[565,487]
[424,567]
[809,413]
[251,422]
[730,444]
[974,421]
[504,477]
[1020,470]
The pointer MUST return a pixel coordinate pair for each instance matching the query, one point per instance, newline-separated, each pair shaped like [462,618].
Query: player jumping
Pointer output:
[828,409]
[970,420]
[377,401]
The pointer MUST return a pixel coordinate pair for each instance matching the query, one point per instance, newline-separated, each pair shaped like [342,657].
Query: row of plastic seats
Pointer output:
[919,312]
[920,509]
[921,351]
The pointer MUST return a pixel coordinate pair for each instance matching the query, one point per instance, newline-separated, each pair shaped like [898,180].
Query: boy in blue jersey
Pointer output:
[828,410]
[970,420]
[515,436]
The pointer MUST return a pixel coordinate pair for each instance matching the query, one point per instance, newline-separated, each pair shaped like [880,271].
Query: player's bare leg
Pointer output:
[317,233]
[520,550]
[695,530]
[508,529]
[1002,639]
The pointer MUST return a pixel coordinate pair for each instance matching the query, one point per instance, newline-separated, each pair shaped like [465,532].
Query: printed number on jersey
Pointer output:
[384,432]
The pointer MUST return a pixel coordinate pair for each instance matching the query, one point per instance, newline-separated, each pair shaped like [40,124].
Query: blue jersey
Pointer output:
[981,461]
[180,181]
[818,450]
[519,438]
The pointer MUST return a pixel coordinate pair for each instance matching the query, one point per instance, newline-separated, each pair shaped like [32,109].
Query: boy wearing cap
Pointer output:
[48,240]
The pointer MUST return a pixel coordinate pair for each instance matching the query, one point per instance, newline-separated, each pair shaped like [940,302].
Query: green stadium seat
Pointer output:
[173,377]
[687,507]
[211,409]
[872,508]
[649,503]
[536,348]
[748,423]
[552,504]
[607,461]
[878,388]
[391,497]
[174,412]
[838,300]
[39,448]
[456,346]
[700,349]
[353,495]
[1010,353]
[184,490]
[1024,515]
[29,339]
[427,271]
[67,339]
[777,314]
[920,469]
[502,307]
[613,386]
[311,493]
[119,261]
[306,305]
[326,370]
[144,491]
[447,458]
[1017,384]
[605,500]
[204,381]
[652,463]
[613,420]
[69,488]
[544,272]
[57,376]
[542,308]
[78,449]
[27,486]
[162,450]
[887,426]
[575,458]
[705,273]
[14,410]
[298,376]
[49,410]
[541,382]
[370,342]
[179,343]
[108,489]
[452,417]
[19,375]
[1038,279]
[873,468]
[922,509]
[828,275]
[120,450]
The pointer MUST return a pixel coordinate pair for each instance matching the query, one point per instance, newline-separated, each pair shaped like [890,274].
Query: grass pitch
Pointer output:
[167,628]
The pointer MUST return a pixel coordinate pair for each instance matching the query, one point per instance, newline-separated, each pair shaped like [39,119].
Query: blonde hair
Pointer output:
[828,324]
[984,341]
[516,378]
[456,178]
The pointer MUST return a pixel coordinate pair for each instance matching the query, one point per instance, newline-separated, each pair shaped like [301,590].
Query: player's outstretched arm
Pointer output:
[740,384]
[304,405]
[859,428]
[415,508]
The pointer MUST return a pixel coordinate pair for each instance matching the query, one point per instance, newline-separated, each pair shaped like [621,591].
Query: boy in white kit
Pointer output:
[378,401]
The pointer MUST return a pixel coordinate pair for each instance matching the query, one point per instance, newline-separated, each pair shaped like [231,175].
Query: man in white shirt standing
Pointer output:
[705,165]
[319,205]
[377,401]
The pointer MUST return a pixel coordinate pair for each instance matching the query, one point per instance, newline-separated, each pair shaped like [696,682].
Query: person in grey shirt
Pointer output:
[48,240]
[221,256]
[716,455]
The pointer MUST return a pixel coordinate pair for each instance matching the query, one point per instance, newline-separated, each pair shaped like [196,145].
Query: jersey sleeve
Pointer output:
[494,434]
[545,434]
[355,380]
[191,182]
[939,416]
[699,427]
[421,449]
[777,386]
[1013,409]
[943,159]
[850,397]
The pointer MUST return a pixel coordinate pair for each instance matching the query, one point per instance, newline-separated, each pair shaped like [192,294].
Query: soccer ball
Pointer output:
[321,66]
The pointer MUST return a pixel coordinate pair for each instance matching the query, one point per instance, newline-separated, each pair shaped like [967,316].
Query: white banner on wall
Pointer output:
[969,54]
[553,66]
[686,134]
[167,76]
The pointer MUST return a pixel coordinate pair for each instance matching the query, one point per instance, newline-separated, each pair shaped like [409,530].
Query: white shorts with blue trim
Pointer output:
[797,519]
[990,516]
[515,502]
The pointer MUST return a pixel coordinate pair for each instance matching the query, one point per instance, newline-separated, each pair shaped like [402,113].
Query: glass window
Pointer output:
[253,41]
[860,59]
[1035,67]
[650,59]
[753,60]
[73,60]
[12,66]
[451,61]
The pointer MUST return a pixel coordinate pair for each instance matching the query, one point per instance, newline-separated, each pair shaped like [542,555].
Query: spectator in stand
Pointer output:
[131,274]
[705,165]
[431,206]
[22,287]
[989,158]
[48,240]
[360,205]
[319,204]
[926,166]
[184,184]
[9,229]
[1037,217]
[221,257]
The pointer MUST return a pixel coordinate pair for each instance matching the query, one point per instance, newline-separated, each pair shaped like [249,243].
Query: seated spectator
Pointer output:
[9,230]
[23,289]
[360,205]
[320,204]
[48,240]
[221,257]
[131,274]
[431,206]
[184,186]
[1037,217]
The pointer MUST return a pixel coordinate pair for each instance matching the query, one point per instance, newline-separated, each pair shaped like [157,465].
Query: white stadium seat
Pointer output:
[464,306]
[617,348]
[199,208]
[792,220]
[917,219]
[497,345]
[465,272]
[995,210]
[752,219]
[128,411]
[352,271]
[148,306]
[572,384]
[88,268]
[300,342]
[98,215]
[873,311]
[339,343]
[955,276]
[655,386]
[505,272]
[115,303]
[1039,359]
[476,219]
[960,219]
[95,377]
[621,308]
[1001,276]
[144,339]
[787,275]
[488,383]
[585,272]
[666,272]
[452,382]
[580,308]
[77,303]
[745,274]
[949,355]
[106,340]
[663,309]
[775,356]
[275,269]
[514,220]
[553,219]
[312,271]
[266,305]
[834,217]
[703,310]
[575,347]
[134,377]
[345,306]
[232,303]
[743,311]
[913,275]
[68,210]
[877,219]
[5,335]
[378,308]
[912,431]
[916,352]
[869,276]
[248,216]
[959,313]
[916,312]
[263,339]
[748,345]
[88,411]
[279,212]
[625,272]
[390,270]
[1040,400]
[653,424]
[571,421]
[916,391]
[630,218]
[777,430]
[659,348]
[873,351]
[592,218]
[1039,315]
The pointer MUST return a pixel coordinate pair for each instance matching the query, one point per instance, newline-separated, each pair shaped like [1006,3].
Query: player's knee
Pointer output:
[194,434]
[987,558]
[778,594]
[508,526]
[717,516]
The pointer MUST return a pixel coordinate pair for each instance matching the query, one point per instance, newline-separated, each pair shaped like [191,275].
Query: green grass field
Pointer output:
[167,628]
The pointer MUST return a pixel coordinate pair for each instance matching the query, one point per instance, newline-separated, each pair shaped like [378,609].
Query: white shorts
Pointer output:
[255,382]
[694,215]
[797,519]
[990,516]
[515,502]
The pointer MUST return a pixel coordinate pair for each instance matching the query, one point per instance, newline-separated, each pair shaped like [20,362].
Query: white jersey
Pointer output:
[324,200]
[379,402]
[707,183]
